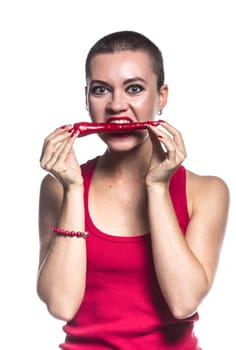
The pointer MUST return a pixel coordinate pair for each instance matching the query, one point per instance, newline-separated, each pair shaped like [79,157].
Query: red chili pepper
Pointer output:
[86,128]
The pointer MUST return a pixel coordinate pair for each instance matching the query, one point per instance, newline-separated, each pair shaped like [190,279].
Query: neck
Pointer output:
[134,163]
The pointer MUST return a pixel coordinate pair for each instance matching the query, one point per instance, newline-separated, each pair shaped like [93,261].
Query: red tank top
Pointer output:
[123,308]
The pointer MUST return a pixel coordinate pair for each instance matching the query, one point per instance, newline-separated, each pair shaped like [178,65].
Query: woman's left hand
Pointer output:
[165,160]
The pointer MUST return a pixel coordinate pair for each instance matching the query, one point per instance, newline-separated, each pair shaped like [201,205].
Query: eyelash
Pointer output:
[138,87]
[101,90]
[96,90]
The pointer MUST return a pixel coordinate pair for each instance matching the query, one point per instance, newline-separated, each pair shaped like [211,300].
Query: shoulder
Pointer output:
[206,183]
[51,191]
[50,183]
[205,190]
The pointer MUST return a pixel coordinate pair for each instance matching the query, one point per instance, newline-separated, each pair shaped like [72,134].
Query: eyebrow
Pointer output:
[135,79]
[127,81]
[98,82]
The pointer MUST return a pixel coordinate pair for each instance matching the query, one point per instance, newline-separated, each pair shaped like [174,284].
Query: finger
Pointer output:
[47,140]
[66,148]
[51,144]
[155,138]
[164,139]
[59,158]
[176,134]
[59,131]
[50,163]
[174,153]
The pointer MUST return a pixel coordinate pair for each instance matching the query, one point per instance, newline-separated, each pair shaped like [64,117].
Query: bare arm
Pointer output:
[186,266]
[62,263]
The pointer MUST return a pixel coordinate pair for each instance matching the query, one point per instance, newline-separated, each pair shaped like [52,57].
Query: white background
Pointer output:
[43,46]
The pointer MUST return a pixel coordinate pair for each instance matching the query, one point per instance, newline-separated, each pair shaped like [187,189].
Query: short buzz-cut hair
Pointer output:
[128,41]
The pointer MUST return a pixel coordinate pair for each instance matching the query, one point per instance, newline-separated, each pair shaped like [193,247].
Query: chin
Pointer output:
[124,144]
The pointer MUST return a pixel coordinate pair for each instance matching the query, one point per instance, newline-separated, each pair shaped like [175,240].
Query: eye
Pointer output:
[135,89]
[98,90]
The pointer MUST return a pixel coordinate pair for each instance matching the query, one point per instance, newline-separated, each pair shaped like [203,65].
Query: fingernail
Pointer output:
[161,121]
[63,127]
[71,129]
[75,132]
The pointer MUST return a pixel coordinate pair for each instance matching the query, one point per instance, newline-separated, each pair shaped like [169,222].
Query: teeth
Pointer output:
[120,121]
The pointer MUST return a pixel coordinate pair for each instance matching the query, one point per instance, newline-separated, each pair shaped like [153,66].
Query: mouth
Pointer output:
[119,120]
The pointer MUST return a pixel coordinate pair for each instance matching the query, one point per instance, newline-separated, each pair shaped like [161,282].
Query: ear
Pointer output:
[163,96]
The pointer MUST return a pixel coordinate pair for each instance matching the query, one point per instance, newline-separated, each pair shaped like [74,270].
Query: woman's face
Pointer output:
[123,84]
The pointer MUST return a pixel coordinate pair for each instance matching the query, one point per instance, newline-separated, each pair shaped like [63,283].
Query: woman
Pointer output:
[155,229]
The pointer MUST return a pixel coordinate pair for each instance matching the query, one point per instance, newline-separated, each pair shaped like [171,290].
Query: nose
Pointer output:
[117,102]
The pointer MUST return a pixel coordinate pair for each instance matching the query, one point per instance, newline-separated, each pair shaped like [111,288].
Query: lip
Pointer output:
[123,118]
[113,120]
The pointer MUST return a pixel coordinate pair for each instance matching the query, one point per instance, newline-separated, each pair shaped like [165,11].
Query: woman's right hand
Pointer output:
[58,156]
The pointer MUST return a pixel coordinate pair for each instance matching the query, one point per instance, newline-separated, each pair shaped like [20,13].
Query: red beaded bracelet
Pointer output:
[60,232]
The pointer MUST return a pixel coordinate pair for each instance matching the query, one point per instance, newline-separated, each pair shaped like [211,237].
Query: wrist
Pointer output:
[70,189]
[160,187]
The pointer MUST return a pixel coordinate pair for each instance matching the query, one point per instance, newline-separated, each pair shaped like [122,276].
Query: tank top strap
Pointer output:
[87,170]
[179,196]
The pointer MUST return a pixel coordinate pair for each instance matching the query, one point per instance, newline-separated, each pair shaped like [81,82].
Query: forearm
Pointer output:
[61,278]
[181,276]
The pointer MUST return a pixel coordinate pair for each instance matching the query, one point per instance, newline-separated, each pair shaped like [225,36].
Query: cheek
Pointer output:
[95,108]
[148,105]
